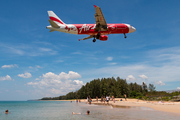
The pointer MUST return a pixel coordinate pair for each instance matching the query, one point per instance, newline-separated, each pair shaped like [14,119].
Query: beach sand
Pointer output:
[166,106]
[173,107]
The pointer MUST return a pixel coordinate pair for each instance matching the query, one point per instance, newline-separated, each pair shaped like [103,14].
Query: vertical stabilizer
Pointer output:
[55,18]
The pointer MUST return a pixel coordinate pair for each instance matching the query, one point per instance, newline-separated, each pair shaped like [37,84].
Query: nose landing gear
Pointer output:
[125,35]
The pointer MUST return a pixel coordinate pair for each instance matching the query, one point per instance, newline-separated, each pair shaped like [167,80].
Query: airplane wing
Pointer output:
[86,37]
[101,24]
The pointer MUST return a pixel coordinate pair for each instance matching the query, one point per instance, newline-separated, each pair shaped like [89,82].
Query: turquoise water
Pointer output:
[62,110]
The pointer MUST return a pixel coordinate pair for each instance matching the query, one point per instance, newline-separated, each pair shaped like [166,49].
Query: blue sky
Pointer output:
[35,63]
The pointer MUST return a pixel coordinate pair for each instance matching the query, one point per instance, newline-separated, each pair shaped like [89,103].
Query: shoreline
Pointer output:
[172,107]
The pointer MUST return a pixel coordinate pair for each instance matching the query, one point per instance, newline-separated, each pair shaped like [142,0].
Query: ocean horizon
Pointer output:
[62,110]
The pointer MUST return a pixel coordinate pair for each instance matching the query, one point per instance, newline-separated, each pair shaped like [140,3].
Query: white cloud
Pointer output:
[178,88]
[45,49]
[32,83]
[62,75]
[9,66]
[37,79]
[109,58]
[25,75]
[37,66]
[112,63]
[130,78]
[28,50]
[59,61]
[7,77]
[78,82]
[159,83]
[143,76]
[160,64]
[58,83]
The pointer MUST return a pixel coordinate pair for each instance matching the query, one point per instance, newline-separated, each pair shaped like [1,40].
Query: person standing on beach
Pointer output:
[125,97]
[90,100]
[97,98]
[113,99]
[102,98]
[107,99]
[87,99]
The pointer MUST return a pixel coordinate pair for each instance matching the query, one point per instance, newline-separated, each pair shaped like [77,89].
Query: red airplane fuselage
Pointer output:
[89,29]
[100,30]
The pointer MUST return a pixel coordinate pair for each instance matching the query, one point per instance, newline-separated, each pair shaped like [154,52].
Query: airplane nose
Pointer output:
[132,29]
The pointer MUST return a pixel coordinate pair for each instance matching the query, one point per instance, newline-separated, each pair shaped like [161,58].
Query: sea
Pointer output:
[62,110]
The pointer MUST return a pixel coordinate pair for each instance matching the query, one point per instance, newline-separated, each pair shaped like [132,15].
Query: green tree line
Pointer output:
[106,86]
[114,87]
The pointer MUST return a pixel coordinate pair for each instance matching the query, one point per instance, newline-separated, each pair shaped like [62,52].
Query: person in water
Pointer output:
[6,112]
[88,112]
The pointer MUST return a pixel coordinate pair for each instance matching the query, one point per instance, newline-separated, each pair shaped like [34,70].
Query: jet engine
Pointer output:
[103,37]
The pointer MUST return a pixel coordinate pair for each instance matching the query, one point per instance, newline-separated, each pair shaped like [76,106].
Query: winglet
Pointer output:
[95,6]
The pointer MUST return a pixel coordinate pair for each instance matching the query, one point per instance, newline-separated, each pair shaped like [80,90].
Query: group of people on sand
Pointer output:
[103,99]
[107,99]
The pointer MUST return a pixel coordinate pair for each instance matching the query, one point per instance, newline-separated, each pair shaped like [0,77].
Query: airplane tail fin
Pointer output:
[55,18]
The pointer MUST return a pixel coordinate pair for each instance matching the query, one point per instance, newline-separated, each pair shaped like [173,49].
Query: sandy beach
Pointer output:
[166,106]
[173,107]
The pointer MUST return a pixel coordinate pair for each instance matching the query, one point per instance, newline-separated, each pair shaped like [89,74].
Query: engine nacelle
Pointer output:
[103,37]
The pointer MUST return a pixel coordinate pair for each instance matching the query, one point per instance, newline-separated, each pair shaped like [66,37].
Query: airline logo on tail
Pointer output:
[55,18]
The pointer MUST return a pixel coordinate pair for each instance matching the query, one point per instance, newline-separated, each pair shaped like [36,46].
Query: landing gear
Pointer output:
[94,40]
[125,35]
[98,35]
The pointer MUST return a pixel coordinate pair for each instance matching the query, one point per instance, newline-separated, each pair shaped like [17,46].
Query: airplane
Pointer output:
[100,30]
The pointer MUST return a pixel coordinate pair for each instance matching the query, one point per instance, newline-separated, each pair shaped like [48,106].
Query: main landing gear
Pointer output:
[97,37]
[94,40]
[125,35]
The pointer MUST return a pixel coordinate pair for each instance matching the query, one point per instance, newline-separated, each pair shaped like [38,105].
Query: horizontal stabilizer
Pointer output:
[51,31]
[53,24]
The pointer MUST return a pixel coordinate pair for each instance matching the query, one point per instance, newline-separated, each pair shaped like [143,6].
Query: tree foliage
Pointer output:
[152,88]
[106,86]
[114,87]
